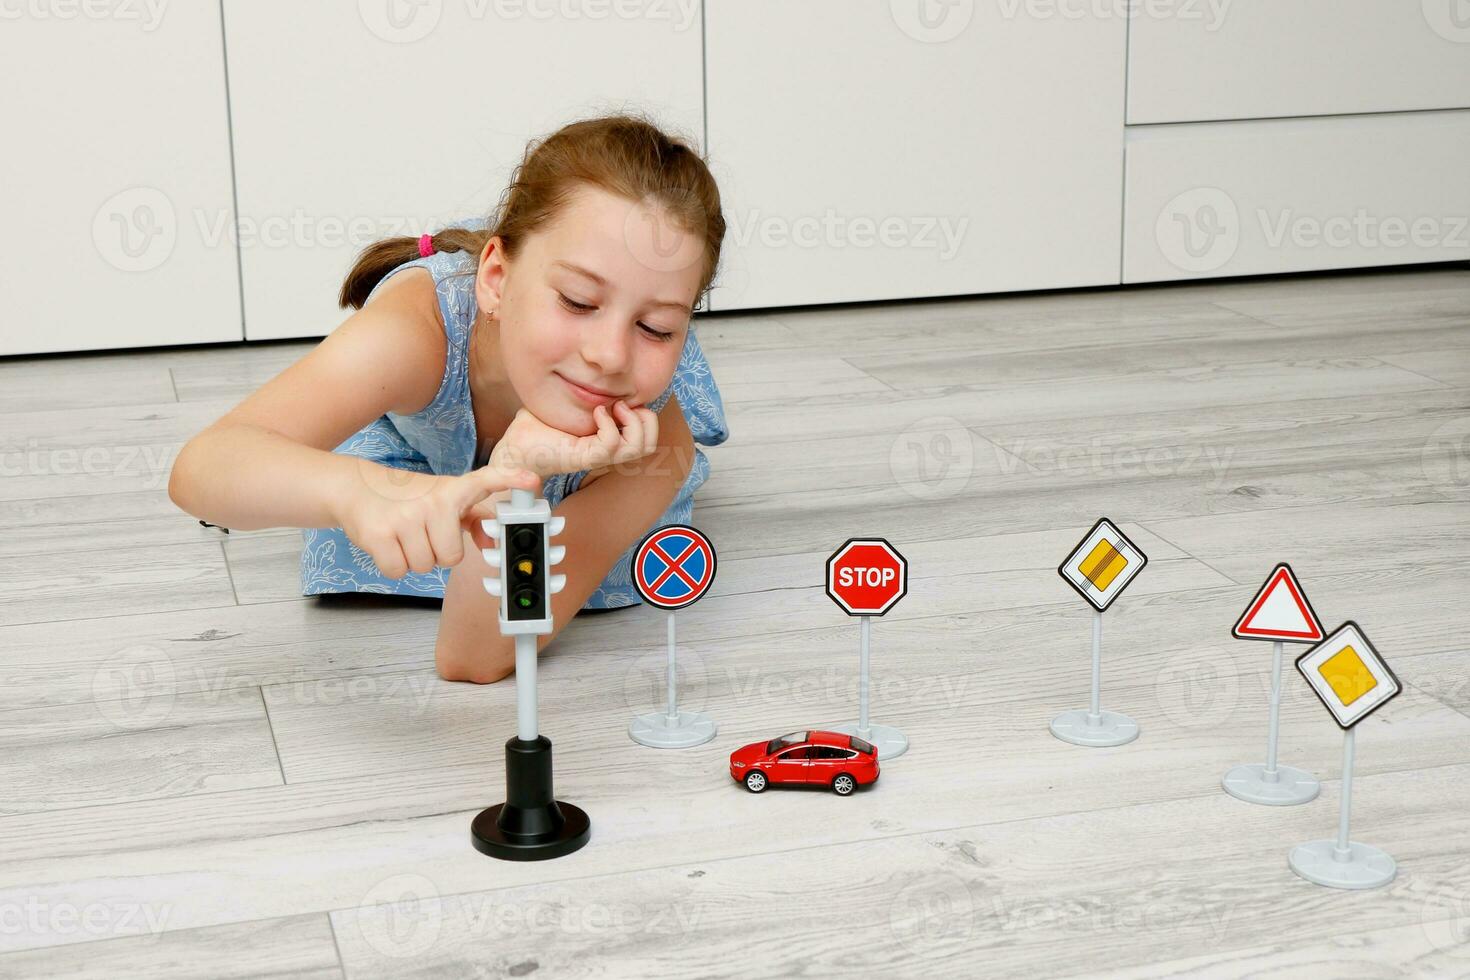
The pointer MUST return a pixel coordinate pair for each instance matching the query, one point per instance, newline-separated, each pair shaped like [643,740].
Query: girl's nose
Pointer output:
[605,346]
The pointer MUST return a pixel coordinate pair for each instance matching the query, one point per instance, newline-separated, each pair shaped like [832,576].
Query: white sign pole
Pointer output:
[1095,716]
[1342,863]
[671,728]
[864,732]
[1272,784]
[1095,727]
[673,675]
[1272,775]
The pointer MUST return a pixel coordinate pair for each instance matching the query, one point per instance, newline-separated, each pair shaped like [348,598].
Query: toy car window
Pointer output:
[829,752]
[864,747]
[792,754]
[791,739]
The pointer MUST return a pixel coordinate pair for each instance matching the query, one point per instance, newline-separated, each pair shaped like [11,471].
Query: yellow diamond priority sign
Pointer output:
[1102,565]
[1348,675]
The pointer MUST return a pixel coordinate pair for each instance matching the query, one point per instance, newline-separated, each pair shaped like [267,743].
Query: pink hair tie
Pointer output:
[426,246]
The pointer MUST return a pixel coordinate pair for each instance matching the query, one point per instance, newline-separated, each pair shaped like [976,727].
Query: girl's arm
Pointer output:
[608,514]
[268,461]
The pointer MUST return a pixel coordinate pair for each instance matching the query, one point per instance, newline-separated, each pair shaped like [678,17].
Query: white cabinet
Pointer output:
[115,179]
[872,150]
[1248,59]
[1290,195]
[356,121]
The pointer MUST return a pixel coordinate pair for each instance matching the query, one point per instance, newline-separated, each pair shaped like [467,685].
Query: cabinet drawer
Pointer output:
[1247,59]
[1287,195]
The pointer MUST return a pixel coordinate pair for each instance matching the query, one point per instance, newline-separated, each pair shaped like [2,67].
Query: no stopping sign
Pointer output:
[673,566]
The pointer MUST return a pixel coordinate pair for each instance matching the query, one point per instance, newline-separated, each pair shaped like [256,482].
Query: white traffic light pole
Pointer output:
[531,825]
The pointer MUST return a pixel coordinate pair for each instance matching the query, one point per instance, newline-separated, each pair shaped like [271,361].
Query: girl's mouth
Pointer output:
[586,395]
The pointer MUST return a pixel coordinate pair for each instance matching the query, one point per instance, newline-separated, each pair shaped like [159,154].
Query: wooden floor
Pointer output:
[207,775]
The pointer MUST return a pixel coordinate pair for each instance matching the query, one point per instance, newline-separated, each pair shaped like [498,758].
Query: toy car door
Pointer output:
[792,765]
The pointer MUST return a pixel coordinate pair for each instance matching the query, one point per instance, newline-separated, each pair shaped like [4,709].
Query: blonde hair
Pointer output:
[626,155]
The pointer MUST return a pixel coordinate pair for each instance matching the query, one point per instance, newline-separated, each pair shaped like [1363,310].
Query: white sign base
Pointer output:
[889,742]
[1096,730]
[660,730]
[1363,866]
[1255,784]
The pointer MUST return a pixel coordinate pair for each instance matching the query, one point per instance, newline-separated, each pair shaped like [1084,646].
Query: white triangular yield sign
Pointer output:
[1280,611]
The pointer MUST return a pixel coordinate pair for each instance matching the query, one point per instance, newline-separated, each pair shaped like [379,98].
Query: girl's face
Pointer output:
[594,309]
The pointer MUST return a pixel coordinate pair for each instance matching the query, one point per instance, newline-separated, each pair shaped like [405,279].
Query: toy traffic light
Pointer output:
[524,558]
[532,824]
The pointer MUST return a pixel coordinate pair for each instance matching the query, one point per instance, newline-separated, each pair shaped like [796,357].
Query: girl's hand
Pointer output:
[414,521]
[622,436]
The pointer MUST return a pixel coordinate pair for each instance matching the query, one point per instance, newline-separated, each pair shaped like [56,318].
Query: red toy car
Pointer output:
[843,762]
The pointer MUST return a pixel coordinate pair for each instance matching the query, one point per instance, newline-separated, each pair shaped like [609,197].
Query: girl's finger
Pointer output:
[476,531]
[631,440]
[388,556]
[415,544]
[650,430]
[481,483]
[445,537]
[607,438]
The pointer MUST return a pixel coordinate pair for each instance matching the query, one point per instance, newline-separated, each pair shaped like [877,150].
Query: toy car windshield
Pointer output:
[795,738]
[866,748]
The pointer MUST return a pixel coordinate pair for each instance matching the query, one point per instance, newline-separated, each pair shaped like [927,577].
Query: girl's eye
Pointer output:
[576,307]
[658,335]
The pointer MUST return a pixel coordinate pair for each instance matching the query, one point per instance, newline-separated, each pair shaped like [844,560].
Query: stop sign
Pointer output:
[867,576]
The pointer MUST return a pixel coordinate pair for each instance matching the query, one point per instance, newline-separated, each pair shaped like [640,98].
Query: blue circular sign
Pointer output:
[673,566]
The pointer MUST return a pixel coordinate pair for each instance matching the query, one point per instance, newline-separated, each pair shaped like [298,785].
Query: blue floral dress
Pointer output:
[442,439]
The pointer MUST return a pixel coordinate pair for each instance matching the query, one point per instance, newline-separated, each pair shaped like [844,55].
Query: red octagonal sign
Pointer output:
[867,576]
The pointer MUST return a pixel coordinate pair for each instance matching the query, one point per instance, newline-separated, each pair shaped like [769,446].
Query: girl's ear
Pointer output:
[490,275]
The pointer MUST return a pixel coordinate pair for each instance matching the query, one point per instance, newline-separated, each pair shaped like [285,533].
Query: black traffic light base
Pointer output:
[531,825]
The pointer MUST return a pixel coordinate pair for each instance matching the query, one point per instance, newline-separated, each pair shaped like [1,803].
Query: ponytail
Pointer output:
[382,257]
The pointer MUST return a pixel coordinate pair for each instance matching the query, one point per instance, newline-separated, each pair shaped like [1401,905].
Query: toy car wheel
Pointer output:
[756,781]
[843,785]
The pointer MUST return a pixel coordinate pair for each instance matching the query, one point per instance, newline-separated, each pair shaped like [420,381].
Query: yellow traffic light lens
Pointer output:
[526,567]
